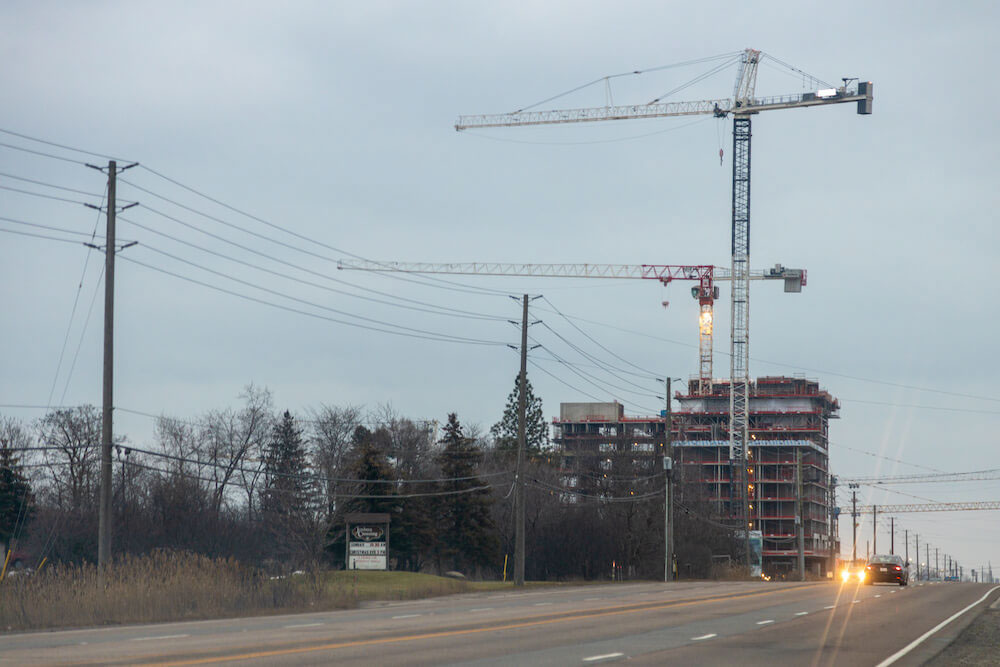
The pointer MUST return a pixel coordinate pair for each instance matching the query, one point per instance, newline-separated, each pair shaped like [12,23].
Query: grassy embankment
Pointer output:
[175,587]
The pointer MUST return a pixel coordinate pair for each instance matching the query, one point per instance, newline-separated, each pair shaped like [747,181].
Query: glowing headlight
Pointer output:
[845,575]
[861,575]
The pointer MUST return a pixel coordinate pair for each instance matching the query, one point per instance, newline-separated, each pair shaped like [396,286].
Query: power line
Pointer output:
[424,281]
[42,195]
[63,146]
[51,185]
[431,308]
[76,300]
[40,153]
[304,301]
[434,337]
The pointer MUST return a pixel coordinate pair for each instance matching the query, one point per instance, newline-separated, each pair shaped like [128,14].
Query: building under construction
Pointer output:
[789,431]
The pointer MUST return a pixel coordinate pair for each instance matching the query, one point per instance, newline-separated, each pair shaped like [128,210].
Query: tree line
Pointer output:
[272,489]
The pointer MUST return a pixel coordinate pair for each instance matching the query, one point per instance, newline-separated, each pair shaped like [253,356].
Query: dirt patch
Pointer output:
[977,645]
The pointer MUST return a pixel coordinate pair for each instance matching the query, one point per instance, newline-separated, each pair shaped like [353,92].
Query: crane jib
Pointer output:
[721,107]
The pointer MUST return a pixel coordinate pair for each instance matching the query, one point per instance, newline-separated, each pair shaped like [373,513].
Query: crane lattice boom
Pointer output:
[934,507]
[705,274]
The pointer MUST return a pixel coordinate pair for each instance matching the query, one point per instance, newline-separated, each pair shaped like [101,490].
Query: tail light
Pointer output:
[897,568]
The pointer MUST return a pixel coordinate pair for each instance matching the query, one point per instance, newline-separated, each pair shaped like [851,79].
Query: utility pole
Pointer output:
[104,498]
[800,532]
[854,522]
[668,464]
[906,541]
[937,564]
[892,535]
[874,530]
[927,557]
[917,536]
[522,404]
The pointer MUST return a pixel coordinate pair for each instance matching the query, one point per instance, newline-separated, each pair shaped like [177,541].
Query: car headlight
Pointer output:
[845,575]
[861,575]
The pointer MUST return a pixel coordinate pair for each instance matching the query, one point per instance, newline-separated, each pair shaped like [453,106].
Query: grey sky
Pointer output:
[335,120]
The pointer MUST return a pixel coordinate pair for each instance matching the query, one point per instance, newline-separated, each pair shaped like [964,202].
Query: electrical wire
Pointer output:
[445,284]
[51,185]
[246,297]
[42,195]
[432,308]
[40,153]
[307,302]
[76,301]
[63,146]
[40,236]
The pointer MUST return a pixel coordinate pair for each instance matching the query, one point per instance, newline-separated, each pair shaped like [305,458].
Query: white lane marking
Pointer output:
[481,609]
[893,591]
[542,604]
[856,601]
[916,642]
[303,625]
[698,639]
[801,613]
[878,596]
[603,657]
[589,599]
[830,607]
[406,616]
[146,639]
[770,620]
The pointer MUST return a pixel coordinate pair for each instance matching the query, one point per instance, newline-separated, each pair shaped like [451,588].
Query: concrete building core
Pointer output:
[788,416]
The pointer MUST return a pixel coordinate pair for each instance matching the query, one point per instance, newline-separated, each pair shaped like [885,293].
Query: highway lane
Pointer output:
[683,623]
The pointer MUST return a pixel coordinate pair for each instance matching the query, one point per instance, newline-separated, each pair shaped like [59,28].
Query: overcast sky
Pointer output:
[334,121]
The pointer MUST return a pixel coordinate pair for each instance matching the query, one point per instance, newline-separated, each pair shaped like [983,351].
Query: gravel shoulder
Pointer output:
[977,645]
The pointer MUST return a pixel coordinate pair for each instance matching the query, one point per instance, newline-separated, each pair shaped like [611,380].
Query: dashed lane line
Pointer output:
[303,625]
[606,656]
[830,606]
[482,609]
[770,620]
[703,637]
[147,639]
[406,616]
[801,613]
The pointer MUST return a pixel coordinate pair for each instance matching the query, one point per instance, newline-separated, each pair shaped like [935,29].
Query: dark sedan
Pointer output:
[887,570]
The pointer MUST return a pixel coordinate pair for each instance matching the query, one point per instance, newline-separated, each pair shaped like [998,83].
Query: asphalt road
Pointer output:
[692,623]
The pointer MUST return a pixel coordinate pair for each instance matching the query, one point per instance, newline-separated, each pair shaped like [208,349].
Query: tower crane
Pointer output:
[706,291]
[742,106]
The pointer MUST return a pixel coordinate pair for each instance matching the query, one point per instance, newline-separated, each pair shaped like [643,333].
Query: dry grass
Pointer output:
[164,586]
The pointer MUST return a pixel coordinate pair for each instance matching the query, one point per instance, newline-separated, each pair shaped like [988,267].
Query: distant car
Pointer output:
[853,570]
[887,569]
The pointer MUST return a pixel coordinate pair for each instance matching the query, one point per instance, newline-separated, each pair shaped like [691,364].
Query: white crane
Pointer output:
[742,105]
[706,292]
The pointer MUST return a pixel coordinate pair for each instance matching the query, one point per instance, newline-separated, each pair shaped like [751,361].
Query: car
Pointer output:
[853,570]
[889,569]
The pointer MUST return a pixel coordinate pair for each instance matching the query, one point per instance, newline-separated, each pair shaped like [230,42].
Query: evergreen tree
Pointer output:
[286,500]
[16,506]
[536,429]
[467,536]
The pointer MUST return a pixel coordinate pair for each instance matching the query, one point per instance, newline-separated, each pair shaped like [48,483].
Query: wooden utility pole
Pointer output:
[522,406]
[668,464]
[110,249]
[854,524]
[104,508]
[874,530]
[799,515]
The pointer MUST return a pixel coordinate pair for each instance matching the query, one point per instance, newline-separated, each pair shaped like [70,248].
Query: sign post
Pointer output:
[367,541]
